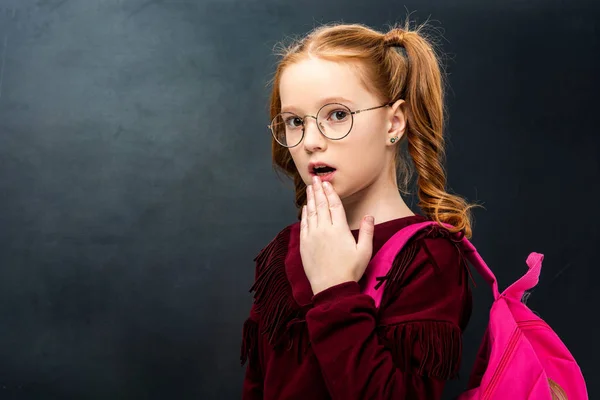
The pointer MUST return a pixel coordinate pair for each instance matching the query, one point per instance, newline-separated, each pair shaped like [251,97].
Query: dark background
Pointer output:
[136,184]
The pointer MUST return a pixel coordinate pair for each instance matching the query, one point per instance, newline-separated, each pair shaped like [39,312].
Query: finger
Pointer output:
[303,222]
[336,208]
[365,238]
[311,209]
[322,204]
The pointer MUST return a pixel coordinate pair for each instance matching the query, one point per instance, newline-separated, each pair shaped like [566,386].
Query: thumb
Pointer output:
[365,237]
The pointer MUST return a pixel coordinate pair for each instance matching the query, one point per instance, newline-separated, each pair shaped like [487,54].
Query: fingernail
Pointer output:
[370,219]
[326,185]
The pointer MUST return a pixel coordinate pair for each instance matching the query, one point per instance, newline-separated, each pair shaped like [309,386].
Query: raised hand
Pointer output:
[330,255]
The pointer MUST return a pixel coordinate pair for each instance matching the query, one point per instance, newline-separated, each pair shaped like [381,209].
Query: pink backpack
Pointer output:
[526,358]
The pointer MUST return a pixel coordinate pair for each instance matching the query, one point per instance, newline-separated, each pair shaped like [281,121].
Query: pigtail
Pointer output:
[422,89]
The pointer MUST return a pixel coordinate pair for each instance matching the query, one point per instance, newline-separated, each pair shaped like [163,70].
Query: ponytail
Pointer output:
[423,92]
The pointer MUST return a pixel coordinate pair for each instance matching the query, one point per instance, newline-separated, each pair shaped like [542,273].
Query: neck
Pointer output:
[381,199]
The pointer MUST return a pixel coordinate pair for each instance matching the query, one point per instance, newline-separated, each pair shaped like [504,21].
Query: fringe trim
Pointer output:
[249,341]
[429,348]
[274,300]
[395,276]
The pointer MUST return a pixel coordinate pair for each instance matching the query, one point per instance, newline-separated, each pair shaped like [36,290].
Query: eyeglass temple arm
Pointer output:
[372,108]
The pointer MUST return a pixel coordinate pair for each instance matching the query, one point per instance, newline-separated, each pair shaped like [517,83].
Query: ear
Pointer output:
[397,122]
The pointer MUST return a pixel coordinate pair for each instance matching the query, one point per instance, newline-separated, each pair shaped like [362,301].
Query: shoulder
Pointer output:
[428,275]
[442,249]
[279,243]
[435,249]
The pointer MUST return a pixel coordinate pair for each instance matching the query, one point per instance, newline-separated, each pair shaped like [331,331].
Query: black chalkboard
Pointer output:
[136,183]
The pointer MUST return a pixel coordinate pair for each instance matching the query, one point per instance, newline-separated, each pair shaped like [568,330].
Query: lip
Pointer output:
[324,178]
[313,164]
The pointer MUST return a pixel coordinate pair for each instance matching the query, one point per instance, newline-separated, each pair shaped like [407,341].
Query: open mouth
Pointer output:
[322,170]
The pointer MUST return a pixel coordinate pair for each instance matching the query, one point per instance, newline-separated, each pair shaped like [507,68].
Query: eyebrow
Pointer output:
[334,99]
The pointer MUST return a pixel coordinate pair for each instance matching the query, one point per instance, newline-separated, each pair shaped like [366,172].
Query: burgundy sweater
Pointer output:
[337,344]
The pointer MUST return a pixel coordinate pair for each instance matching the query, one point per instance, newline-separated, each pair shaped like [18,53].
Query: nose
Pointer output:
[313,139]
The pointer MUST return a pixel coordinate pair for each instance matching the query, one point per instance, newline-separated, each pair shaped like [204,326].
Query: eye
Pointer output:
[293,122]
[338,115]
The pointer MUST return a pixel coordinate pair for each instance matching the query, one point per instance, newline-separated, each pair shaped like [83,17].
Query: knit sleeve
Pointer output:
[411,345]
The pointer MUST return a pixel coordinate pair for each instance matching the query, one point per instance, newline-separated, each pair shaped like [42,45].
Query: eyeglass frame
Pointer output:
[270,126]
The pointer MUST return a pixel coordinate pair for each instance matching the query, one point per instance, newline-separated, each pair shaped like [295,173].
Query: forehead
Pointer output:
[306,85]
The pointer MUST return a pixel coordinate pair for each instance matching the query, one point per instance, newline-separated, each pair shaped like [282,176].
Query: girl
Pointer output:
[345,99]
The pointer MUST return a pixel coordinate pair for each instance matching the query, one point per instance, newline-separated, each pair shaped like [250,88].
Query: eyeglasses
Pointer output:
[334,121]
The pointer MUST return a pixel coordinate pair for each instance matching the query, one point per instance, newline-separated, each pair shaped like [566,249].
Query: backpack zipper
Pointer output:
[510,347]
[555,389]
[512,342]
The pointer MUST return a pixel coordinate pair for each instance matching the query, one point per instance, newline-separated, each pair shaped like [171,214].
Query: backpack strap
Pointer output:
[529,280]
[382,261]
[475,259]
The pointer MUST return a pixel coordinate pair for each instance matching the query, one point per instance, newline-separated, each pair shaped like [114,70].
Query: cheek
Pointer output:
[369,132]
[300,166]
[369,146]
[366,157]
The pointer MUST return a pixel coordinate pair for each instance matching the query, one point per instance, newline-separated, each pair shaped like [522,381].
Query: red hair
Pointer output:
[399,64]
